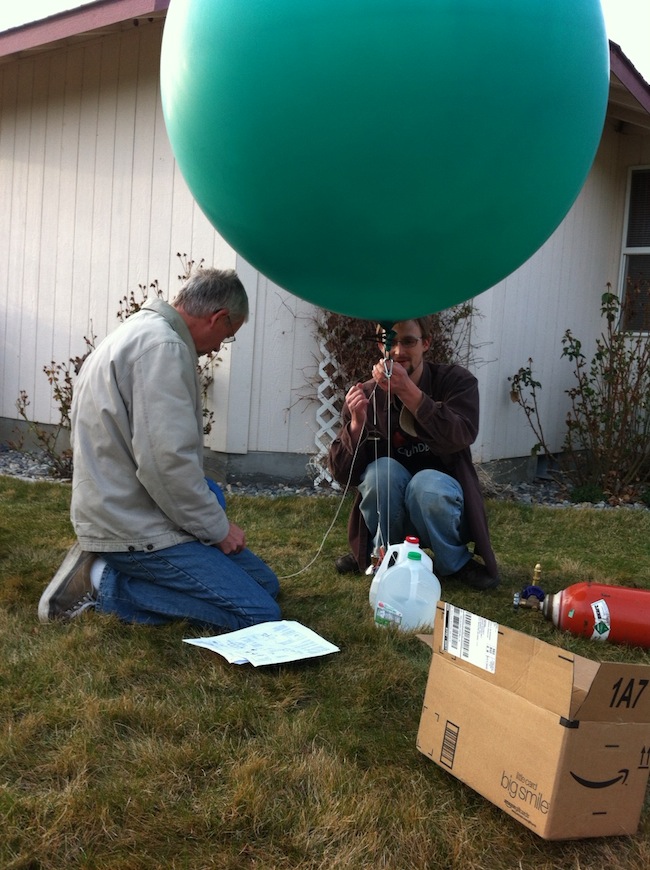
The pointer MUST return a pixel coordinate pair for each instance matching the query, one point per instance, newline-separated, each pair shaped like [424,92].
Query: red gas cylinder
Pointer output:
[602,612]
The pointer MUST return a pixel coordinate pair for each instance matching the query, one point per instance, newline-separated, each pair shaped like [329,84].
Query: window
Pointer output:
[636,254]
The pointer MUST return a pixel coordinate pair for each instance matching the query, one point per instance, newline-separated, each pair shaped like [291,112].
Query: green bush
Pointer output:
[606,449]
[608,426]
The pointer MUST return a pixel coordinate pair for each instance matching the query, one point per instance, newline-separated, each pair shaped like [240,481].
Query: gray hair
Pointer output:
[208,290]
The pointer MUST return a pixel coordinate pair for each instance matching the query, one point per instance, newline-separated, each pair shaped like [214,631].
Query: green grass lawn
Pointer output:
[123,747]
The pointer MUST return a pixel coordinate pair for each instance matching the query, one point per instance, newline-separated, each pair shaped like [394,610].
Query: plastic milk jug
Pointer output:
[407,595]
[397,554]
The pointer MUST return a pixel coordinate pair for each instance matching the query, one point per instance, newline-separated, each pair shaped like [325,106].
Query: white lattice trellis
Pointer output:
[327,416]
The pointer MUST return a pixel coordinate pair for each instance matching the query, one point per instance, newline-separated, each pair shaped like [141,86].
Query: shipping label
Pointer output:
[471,638]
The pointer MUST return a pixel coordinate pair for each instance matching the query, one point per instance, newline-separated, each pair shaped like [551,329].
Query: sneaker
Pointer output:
[70,591]
[346,564]
[476,576]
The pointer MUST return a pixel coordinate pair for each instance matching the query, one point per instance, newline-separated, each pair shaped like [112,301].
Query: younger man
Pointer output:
[405,444]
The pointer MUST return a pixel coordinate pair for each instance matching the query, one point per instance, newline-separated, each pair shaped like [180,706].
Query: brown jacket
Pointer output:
[437,436]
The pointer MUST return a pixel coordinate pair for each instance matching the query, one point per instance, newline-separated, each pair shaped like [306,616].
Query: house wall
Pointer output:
[94,207]
[559,288]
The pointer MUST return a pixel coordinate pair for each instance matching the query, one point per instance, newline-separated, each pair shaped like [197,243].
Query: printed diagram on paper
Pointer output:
[471,638]
[269,643]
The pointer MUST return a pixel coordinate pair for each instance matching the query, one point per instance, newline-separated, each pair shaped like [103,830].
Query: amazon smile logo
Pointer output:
[589,783]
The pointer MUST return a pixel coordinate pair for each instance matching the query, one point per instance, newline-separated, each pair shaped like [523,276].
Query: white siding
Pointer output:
[560,287]
[94,206]
[272,368]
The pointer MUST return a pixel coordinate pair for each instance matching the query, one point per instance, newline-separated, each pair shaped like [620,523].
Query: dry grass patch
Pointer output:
[122,747]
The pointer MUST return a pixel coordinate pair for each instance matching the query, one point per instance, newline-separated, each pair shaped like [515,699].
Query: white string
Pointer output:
[380,534]
[338,509]
[388,371]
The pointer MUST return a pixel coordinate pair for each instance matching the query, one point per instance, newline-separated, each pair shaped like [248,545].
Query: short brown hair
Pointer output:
[425,324]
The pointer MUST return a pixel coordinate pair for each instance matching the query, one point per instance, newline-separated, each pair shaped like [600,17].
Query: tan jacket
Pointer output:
[137,438]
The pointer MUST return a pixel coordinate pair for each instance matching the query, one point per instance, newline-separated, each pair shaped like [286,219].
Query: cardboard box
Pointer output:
[559,742]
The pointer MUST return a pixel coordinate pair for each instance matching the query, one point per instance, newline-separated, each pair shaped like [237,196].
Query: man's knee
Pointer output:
[435,493]
[383,473]
[376,473]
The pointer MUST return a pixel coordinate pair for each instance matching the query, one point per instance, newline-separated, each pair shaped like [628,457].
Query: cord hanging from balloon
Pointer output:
[382,541]
[388,338]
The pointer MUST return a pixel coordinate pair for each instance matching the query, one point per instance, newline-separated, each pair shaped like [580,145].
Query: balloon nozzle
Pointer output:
[388,336]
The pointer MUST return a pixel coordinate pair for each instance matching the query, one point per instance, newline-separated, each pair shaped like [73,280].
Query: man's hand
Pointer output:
[234,542]
[358,406]
[400,382]
[399,378]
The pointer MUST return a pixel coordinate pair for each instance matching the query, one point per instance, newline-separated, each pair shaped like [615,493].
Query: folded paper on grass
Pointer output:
[269,643]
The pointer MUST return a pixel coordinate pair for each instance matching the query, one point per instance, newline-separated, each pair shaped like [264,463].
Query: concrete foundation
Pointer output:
[267,467]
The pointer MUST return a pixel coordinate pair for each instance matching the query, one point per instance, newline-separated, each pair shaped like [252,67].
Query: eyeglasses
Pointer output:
[409,341]
[230,338]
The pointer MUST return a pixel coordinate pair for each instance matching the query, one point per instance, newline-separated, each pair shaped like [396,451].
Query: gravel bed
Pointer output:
[15,463]
[33,467]
[541,491]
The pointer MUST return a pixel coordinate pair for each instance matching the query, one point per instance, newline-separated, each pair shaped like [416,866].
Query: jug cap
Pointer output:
[416,556]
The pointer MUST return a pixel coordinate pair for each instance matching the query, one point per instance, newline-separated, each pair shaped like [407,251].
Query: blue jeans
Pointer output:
[428,504]
[189,581]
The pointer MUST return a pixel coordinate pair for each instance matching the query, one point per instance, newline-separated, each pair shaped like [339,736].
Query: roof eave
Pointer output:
[103,14]
[629,76]
[71,23]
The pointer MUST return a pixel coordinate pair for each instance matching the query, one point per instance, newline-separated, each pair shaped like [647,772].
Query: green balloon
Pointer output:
[385,158]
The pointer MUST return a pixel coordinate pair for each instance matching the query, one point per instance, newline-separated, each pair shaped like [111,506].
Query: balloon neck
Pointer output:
[389,335]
